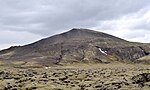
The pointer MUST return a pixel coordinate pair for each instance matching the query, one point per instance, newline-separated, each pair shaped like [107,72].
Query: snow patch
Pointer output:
[104,52]
[47,67]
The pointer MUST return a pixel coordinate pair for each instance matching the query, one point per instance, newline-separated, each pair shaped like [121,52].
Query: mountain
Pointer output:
[78,46]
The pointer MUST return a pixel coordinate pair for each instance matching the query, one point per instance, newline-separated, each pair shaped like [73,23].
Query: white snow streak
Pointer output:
[104,52]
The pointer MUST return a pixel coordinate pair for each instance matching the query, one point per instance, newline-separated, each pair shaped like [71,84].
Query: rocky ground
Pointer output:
[79,77]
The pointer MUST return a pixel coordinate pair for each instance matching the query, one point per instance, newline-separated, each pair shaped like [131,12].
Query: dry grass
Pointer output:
[73,77]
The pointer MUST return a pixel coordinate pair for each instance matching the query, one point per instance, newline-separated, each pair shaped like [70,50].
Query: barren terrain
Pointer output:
[79,59]
[25,76]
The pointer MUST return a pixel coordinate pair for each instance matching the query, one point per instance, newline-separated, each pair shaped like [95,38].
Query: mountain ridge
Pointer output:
[76,46]
[79,34]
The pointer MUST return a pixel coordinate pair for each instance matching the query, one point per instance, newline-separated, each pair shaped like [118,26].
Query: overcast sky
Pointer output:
[26,21]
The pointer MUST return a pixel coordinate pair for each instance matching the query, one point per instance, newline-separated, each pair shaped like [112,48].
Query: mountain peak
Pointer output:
[76,29]
[79,34]
[82,33]
[77,45]
[81,30]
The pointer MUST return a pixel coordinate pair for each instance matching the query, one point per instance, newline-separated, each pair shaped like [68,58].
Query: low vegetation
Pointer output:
[75,77]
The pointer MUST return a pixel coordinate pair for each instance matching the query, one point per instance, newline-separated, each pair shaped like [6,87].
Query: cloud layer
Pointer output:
[133,26]
[25,21]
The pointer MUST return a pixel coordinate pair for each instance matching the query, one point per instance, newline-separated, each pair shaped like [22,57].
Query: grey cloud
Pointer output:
[13,37]
[48,16]
[135,34]
[143,25]
[41,18]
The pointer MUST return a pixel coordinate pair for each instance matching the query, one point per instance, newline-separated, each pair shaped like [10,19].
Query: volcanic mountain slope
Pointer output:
[78,46]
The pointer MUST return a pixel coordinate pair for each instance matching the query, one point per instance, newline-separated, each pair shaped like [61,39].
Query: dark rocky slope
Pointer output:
[76,46]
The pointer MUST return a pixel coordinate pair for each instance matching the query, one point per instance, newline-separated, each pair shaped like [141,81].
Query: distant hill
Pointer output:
[78,46]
